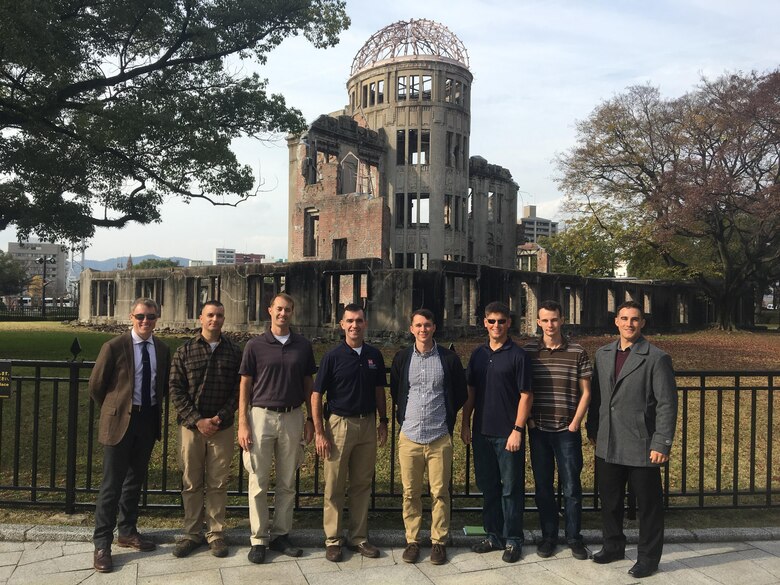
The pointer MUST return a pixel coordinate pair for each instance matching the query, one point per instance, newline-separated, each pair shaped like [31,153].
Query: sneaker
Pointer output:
[579,551]
[546,548]
[411,553]
[184,547]
[438,554]
[257,554]
[218,548]
[511,554]
[484,546]
[283,545]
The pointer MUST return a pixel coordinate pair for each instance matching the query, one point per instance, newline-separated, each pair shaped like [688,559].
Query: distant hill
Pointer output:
[121,261]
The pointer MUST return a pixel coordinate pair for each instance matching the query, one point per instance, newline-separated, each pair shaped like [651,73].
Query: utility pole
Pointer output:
[44,260]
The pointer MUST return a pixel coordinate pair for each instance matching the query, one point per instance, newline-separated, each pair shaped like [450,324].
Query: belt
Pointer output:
[280,408]
[360,415]
[138,408]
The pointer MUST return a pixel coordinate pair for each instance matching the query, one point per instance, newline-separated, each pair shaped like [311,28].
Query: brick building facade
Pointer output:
[390,176]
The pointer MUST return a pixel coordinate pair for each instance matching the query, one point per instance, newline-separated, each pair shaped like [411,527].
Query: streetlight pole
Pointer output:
[44,260]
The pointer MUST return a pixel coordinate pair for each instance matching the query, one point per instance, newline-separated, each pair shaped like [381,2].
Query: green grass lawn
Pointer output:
[54,342]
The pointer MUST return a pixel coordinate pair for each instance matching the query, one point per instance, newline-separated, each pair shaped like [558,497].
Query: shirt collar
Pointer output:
[507,344]
[430,352]
[137,339]
[564,344]
[202,339]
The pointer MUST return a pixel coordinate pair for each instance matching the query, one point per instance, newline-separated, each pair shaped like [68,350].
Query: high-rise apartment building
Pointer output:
[532,227]
[33,254]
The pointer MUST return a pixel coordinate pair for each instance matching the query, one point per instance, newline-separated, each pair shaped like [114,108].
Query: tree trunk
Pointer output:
[726,311]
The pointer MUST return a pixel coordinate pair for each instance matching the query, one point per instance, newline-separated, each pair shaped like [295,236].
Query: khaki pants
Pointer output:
[205,467]
[414,458]
[276,436]
[352,454]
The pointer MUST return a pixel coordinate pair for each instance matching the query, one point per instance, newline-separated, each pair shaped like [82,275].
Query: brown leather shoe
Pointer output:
[101,560]
[411,552]
[438,554]
[137,542]
[218,548]
[366,549]
[333,553]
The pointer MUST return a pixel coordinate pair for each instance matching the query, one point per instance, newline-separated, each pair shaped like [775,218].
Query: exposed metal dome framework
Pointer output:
[410,38]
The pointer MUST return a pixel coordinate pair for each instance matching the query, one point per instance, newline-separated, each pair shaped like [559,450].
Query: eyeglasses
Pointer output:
[147,316]
[494,321]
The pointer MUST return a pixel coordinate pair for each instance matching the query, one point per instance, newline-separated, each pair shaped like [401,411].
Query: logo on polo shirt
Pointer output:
[371,364]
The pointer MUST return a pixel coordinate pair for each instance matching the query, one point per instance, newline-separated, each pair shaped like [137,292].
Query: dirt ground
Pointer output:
[701,350]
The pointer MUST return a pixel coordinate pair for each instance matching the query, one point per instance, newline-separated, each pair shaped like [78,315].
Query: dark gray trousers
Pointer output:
[124,472]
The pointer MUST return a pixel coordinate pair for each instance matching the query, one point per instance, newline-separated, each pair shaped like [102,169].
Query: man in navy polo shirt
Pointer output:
[499,386]
[353,376]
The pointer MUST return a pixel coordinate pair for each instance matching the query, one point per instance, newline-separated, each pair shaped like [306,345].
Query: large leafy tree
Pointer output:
[594,244]
[583,248]
[156,263]
[695,179]
[13,276]
[108,107]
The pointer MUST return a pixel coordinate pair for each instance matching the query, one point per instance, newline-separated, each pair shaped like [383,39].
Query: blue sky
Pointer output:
[538,66]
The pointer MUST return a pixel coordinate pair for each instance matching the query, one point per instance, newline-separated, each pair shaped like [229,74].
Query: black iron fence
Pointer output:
[725,453]
[51,313]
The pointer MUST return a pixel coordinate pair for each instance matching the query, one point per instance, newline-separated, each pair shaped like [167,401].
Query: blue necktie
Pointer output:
[146,376]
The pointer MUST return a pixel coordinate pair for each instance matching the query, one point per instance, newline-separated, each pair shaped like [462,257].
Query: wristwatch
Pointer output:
[518,429]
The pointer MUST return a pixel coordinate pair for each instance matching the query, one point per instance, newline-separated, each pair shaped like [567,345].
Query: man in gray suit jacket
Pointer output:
[128,383]
[632,418]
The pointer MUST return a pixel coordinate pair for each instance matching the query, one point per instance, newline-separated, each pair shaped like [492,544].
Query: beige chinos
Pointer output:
[414,458]
[205,464]
[278,437]
[352,453]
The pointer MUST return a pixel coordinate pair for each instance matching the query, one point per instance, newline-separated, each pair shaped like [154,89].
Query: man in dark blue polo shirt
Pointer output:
[499,386]
[353,376]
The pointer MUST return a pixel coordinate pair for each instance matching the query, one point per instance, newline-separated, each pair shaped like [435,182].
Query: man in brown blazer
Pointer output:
[128,383]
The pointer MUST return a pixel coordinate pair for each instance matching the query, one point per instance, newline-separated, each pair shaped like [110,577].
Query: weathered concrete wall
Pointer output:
[456,292]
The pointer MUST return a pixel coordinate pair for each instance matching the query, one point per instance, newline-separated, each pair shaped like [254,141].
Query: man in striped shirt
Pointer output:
[561,381]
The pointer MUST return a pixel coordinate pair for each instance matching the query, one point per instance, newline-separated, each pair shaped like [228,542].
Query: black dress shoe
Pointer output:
[512,553]
[257,554]
[283,545]
[640,570]
[605,556]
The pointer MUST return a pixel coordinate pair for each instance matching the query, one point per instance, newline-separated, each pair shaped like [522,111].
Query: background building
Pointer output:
[31,255]
[224,256]
[390,176]
[249,258]
[532,228]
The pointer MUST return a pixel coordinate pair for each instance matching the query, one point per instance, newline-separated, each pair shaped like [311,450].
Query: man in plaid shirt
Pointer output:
[204,389]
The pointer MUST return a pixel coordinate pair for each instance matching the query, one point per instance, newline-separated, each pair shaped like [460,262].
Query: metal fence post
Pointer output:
[73,416]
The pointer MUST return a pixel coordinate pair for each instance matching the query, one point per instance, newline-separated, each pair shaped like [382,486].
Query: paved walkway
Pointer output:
[53,556]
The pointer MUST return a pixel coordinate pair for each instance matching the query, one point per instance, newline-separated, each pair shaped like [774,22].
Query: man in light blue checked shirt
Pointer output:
[429,388]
